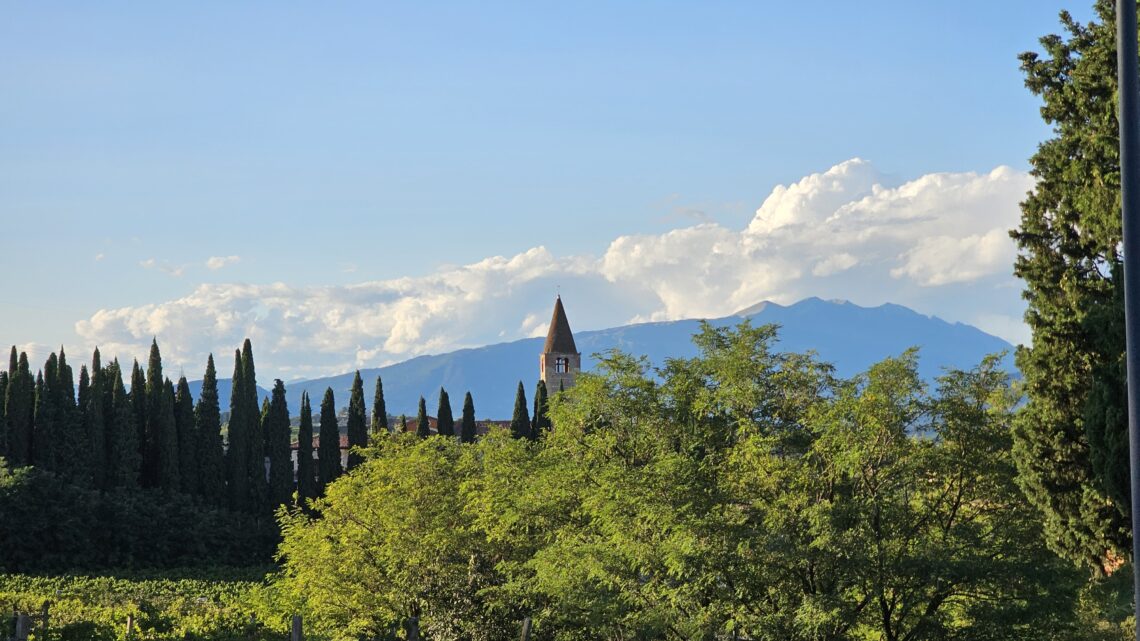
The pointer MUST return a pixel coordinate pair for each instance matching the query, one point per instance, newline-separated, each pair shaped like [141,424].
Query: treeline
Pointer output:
[105,436]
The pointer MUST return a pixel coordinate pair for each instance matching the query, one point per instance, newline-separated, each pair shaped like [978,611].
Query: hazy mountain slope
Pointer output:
[850,336]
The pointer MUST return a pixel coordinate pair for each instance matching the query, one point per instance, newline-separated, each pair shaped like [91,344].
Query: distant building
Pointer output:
[560,360]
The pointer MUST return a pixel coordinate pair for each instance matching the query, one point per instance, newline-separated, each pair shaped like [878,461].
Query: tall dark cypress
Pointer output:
[138,406]
[280,460]
[379,411]
[45,435]
[238,442]
[541,421]
[467,423]
[520,420]
[423,428]
[255,452]
[403,423]
[167,476]
[306,474]
[94,422]
[186,428]
[3,413]
[156,415]
[123,462]
[357,430]
[211,453]
[83,444]
[72,454]
[444,420]
[19,410]
[329,452]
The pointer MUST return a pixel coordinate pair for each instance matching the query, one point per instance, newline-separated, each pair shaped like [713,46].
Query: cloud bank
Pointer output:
[938,243]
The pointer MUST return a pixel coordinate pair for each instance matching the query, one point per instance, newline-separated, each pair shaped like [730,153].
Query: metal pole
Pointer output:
[1128,78]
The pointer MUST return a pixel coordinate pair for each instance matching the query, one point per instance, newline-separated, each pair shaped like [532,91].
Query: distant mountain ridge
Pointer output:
[847,335]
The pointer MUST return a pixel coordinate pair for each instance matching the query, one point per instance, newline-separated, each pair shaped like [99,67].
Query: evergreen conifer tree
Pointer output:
[72,453]
[165,433]
[541,420]
[357,429]
[237,475]
[45,435]
[379,411]
[467,423]
[156,414]
[255,447]
[19,410]
[187,430]
[138,406]
[123,462]
[208,427]
[444,420]
[95,422]
[403,423]
[3,414]
[306,475]
[280,456]
[423,427]
[1071,437]
[329,442]
[520,419]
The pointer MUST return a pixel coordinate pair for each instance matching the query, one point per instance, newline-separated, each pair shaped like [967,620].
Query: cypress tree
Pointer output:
[280,459]
[73,455]
[379,411]
[45,435]
[467,424]
[541,423]
[94,421]
[444,421]
[19,410]
[138,406]
[238,442]
[306,475]
[165,433]
[520,420]
[211,452]
[329,453]
[123,462]
[403,423]
[82,398]
[357,430]
[423,428]
[3,414]
[154,435]
[255,448]
[186,428]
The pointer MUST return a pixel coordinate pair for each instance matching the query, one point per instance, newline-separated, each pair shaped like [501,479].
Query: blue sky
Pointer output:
[364,155]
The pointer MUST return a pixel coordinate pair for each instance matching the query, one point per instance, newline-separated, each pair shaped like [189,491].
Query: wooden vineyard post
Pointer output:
[23,627]
[525,636]
[298,634]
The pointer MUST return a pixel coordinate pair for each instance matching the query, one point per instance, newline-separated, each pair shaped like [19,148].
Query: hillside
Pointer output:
[847,335]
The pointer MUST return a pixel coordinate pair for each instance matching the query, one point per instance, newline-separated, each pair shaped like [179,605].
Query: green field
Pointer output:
[217,604]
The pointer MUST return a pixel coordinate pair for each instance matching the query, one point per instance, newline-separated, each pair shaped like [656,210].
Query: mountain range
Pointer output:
[849,336]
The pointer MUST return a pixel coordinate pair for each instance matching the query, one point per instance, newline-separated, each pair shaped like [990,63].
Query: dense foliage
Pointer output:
[742,493]
[1071,440]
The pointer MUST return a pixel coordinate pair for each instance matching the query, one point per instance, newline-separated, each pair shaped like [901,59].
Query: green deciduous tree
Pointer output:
[444,421]
[328,454]
[520,419]
[1071,438]
[356,427]
[467,422]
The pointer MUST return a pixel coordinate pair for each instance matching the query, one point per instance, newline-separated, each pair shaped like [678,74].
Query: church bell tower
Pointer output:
[560,361]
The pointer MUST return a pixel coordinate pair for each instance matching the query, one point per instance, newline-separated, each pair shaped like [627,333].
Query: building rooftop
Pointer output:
[559,339]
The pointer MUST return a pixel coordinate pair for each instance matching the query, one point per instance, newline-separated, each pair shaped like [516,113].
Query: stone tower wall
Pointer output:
[559,380]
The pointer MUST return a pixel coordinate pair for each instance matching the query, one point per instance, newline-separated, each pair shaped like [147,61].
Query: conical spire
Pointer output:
[559,339]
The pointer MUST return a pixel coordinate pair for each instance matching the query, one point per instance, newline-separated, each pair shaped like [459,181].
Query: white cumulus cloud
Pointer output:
[937,243]
[217,262]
